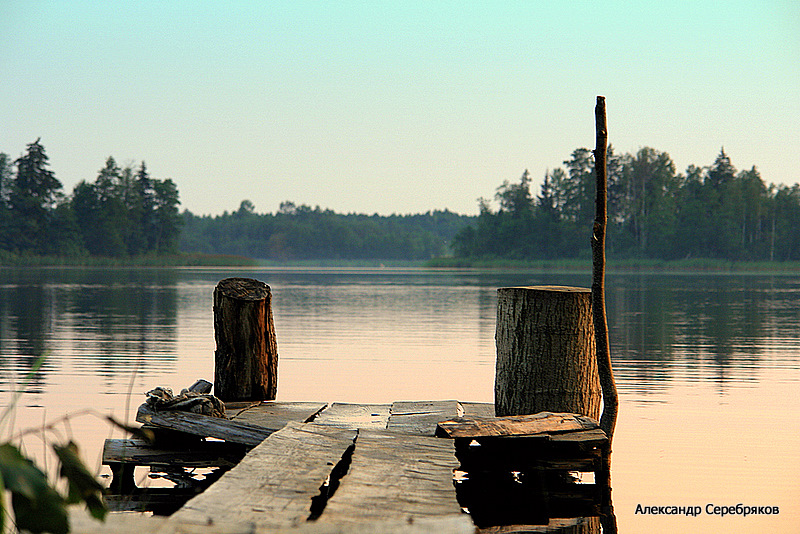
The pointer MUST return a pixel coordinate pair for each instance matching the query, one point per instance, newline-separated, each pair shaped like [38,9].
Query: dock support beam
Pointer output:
[246,359]
[545,352]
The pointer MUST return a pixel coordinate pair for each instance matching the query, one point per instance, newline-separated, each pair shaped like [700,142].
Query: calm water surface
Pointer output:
[708,366]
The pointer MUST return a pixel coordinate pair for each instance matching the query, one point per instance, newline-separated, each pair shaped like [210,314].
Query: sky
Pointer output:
[392,107]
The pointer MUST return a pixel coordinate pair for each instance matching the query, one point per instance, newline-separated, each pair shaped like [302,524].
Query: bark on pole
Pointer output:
[610,401]
[545,352]
[246,359]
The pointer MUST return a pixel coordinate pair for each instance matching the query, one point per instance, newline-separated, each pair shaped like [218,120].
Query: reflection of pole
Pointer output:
[609,418]
[772,239]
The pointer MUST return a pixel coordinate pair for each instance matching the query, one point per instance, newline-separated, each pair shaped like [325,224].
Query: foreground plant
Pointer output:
[36,504]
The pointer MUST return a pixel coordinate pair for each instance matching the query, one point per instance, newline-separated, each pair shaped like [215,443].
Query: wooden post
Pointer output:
[246,359]
[545,352]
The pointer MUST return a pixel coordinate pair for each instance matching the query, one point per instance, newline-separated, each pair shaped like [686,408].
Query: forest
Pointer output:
[124,212]
[711,212]
[300,232]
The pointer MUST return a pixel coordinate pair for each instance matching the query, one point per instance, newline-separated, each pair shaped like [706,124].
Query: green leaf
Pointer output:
[37,506]
[82,485]
[19,474]
[97,507]
[46,513]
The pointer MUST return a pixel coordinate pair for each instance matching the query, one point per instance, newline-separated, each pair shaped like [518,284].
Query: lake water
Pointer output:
[707,366]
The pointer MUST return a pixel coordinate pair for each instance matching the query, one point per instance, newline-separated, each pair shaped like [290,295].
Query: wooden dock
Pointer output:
[319,467]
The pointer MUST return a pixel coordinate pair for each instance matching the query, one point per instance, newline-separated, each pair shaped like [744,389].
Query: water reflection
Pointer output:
[705,356]
[699,327]
[662,328]
[95,321]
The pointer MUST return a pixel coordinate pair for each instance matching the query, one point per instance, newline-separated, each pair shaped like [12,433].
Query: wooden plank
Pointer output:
[478,409]
[575,525]
[452,524]
[515,425]
[586,438]
[134,523]
[571,451]
[204,425]
[395,477]
[160,501]
[346,415]
[82,523]
[475,463]
[274,415]
[249,424]
[421,417]
[200,454]
[273,486]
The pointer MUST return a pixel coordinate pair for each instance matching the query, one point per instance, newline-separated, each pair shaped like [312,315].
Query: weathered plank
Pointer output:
[452,524]
[274,415]
[160,501]
[478,409]
[507,461]
[204,425]
[586,438]
[200,454]
[346,415]
[127,523]
[575,525]
[123,455]
[249,424]
[81,523]
[421,417]
[274,484]
[515,425]
[395,477]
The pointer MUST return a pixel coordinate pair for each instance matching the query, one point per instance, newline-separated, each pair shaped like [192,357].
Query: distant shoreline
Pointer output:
[691,265]
[146,260]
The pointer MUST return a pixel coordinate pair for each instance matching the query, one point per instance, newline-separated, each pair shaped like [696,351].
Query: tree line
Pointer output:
[123,212]
[297,232]
[654,212]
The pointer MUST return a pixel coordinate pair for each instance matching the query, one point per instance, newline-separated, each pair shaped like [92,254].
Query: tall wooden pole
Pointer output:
[610,401]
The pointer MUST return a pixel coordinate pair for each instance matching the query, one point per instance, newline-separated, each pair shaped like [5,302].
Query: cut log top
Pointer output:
[243,289]
[547,289]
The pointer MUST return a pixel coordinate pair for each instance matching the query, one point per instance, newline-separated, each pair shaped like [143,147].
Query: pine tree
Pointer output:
[32,198]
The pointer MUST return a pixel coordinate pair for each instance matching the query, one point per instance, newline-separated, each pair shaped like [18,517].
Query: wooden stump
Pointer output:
[246,359]
[545,352]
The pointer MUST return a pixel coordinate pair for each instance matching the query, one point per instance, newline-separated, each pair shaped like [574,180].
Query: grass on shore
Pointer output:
[689,265]
[8,259]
